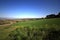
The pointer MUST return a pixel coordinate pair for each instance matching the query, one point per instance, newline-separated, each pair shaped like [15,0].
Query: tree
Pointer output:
[58,15]
[51,16]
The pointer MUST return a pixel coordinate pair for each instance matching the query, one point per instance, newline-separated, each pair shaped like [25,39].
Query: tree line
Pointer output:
[53,16]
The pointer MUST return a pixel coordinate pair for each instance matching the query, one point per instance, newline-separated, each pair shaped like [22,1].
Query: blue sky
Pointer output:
[28,8]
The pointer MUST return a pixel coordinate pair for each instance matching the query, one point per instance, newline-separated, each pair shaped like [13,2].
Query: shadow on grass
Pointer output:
[27,33]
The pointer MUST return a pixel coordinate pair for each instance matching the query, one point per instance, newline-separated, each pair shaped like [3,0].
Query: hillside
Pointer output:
[32,30]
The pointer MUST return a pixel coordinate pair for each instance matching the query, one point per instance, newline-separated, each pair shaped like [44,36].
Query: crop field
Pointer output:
[44,29]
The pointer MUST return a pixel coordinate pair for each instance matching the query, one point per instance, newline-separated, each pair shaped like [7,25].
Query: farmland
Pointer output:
[44,29]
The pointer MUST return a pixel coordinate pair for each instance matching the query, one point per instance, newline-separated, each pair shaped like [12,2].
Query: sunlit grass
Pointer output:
[21,28]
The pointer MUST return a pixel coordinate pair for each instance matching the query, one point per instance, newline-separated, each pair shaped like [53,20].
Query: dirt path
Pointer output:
[2,27]
[7,24]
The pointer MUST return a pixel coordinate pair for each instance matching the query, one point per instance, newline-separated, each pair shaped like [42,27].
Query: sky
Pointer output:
[28,8]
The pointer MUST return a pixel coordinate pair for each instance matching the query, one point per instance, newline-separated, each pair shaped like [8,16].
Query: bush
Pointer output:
[27,33]
[52,34]
[4,22]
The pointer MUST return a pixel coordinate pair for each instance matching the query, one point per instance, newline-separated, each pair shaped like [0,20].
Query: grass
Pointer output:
[29,30]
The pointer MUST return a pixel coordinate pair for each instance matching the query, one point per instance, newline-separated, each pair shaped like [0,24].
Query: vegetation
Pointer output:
[31,29]
[4,22]
[53,16]
[37,30]
[43,29]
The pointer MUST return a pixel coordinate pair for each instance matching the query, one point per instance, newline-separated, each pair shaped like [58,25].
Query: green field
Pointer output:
[32,30]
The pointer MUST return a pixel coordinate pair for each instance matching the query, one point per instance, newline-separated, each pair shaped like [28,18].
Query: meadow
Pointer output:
[44,29]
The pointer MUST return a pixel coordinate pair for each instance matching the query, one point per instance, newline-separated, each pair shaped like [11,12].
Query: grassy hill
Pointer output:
[43,29]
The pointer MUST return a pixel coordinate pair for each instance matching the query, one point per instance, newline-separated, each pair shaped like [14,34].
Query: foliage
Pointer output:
[53,16]
[4,22]
[37,30]
[31,30]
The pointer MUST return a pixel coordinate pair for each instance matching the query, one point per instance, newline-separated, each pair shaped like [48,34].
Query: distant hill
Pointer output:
[2,18]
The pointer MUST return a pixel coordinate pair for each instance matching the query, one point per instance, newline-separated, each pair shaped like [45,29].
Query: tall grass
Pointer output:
[44,29]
